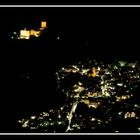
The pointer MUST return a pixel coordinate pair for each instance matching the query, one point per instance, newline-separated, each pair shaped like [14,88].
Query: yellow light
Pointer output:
[24,34]
[34,33]
[93,72]
[43,24]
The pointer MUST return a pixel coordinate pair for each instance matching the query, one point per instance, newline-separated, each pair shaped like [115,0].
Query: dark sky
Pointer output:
[66,15]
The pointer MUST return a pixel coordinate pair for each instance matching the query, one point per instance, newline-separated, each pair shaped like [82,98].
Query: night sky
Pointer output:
[105,33]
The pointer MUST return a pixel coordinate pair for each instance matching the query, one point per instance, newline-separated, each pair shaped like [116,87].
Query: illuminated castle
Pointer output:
[26,34]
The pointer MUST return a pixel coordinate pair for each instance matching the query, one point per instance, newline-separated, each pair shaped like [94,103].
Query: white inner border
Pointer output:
[69,6]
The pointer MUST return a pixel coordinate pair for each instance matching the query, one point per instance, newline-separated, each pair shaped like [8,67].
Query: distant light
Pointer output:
[33,127]
[115,67]
[136,105]
[122,63]
[93,119]
[133,114]
[28,77]
[33,117]
[20,121]
[133,66]
[61,108]
[43,24]
[80,83]
[25,124]
[130,115]
[120,113]
[24,34]
[120,84]
[58,38]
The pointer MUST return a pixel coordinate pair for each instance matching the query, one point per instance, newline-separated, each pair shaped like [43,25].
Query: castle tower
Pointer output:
[43,24]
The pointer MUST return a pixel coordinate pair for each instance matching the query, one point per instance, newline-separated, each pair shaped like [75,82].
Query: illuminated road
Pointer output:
[70,116]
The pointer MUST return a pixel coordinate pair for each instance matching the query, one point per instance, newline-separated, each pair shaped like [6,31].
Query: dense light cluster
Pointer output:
[98,94]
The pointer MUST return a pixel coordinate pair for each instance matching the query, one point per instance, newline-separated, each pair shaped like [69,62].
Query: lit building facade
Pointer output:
[24,34]
[27,34]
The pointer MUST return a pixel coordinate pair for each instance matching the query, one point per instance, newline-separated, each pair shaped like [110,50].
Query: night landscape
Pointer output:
[70,70]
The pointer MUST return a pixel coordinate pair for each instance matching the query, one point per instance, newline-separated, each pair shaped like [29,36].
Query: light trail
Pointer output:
[73,109]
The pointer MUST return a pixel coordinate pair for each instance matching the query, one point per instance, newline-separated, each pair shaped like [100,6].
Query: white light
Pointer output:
[120,113]
[133,66]
[58,38]
[122,63]
[93,119]
[25,124]
[133,114]
[136,105]
[115,67]
[102,82]
[80,83]
[19,121]
[33,117]
[84,71]
[107,94]
[33,127]
[79,89]
[120,84]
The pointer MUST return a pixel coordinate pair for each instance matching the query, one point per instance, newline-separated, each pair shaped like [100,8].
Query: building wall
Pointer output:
[24,34]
